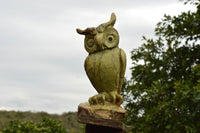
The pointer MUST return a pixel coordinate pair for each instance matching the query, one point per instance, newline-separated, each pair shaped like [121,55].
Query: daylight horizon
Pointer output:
[42,56]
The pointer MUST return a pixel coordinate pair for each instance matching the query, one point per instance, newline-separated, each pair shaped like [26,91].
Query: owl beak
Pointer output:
[99,40]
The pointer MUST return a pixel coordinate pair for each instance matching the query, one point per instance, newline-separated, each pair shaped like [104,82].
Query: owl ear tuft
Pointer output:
[79,31]
[91,31]
[111,22]
[112,19]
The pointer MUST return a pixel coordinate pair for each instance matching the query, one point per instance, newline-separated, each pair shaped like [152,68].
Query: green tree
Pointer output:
[47,125]
[163,94]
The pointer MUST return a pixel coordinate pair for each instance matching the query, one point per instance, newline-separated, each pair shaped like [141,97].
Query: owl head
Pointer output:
[102,37]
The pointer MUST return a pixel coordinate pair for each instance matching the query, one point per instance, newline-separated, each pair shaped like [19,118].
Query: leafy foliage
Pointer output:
[67,120]
[47,125]
[163,94]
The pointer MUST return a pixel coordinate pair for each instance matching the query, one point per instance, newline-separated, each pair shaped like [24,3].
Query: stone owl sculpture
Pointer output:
[106,63]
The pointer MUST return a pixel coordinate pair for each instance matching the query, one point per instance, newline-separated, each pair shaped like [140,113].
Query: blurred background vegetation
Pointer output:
[13,121]
[163,94]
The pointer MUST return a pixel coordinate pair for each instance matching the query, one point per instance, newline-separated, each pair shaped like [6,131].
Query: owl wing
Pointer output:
[122,68]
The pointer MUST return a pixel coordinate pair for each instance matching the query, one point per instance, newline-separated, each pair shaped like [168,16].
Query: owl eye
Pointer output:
[110,38]
[90,42]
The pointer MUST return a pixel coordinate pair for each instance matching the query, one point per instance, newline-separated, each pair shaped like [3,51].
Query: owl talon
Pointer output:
[98,99]
[93,101]
[110,97]
[119,100]
[115,98]
[101,99]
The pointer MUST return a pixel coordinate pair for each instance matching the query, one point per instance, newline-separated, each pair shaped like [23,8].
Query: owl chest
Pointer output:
[103,65]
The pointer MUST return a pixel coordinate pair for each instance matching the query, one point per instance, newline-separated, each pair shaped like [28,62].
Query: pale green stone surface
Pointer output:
[106,63]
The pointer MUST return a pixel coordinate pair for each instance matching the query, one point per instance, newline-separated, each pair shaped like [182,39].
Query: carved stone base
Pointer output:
[102,115]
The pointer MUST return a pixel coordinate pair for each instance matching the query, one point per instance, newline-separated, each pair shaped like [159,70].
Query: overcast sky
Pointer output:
[42,56]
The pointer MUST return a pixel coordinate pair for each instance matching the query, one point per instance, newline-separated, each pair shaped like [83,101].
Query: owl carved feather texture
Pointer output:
[106,63]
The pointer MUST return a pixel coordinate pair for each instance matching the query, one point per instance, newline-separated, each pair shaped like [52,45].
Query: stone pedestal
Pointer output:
[102,118]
